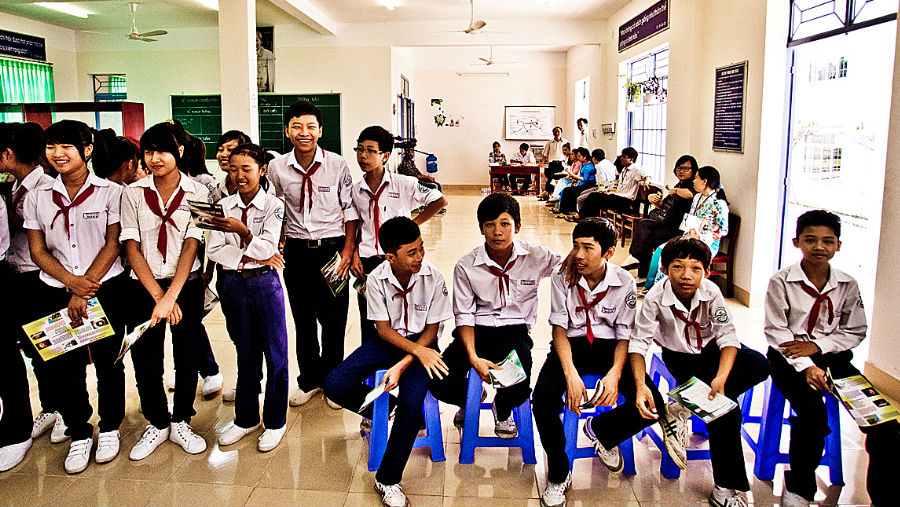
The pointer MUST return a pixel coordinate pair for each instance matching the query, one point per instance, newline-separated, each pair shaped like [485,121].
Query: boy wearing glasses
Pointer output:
[377,197]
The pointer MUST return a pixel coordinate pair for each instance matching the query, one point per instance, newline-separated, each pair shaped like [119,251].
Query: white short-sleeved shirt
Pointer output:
[553,150]
[207,181]
[398,196]
[526,159]
[606,171]
[76,248]
[629,181]
[265,214]
[476,291]
[656,320]
[140,224]
[427,303]
[612,318]
[19,256]
[220,191]
[332,204]
[788,309]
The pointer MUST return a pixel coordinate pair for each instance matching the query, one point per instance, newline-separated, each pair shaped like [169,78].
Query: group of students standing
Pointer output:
[78,225]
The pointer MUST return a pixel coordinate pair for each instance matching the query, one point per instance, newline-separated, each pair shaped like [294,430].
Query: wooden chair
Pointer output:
[726,254]
[641,207]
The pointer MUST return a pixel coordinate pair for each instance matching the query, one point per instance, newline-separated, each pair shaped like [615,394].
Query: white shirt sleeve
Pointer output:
[128,217]
[463,297]
[423,196]
[440,308]
[265,245]
[193,231]
[722,323]
[113,204]
[776,326]
[645,325]
[625,319]
[559,311]
[31,212]
[851,330]
[376,304]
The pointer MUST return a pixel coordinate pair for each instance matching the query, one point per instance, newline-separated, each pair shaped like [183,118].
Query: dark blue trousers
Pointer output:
[254,308]
[15,423]
[346,386]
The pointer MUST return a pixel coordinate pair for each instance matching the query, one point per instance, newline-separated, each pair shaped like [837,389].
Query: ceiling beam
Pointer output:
[308,14]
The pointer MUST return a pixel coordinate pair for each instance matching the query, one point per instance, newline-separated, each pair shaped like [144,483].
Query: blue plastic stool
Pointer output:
[570,425]
[378,435]
[470,438]
[667,467]
[767,446]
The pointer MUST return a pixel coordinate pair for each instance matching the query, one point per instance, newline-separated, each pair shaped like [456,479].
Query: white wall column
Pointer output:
[237,66]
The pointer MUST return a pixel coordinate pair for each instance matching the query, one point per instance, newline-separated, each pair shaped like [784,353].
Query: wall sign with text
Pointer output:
[22,46]
[728,112]
[645,25]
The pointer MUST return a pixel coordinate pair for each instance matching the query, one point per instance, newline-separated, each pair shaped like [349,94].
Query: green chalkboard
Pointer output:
[201,115]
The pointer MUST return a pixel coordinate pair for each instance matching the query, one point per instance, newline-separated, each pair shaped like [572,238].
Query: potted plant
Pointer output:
[632,93]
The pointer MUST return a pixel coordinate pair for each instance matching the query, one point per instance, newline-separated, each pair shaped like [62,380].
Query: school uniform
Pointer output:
[619,201]
[253,302]
[526,159]
[318,204]
[595,321]
[554,156]
[142,220]
[500,303]
[74,232]
[408,310]
[835,320]
[396,196]
[692,338]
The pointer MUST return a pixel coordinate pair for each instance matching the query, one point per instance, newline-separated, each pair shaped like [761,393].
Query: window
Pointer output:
[646,110]
[24,82]
[110,87]
[815,19]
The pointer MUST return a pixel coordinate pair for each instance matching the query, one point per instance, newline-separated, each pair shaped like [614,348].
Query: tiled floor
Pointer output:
[322,460]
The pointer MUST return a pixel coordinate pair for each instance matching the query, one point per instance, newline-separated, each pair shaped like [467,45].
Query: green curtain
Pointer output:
[24,82]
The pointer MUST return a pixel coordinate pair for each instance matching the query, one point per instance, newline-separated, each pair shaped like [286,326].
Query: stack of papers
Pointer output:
[694,396]
[510,373]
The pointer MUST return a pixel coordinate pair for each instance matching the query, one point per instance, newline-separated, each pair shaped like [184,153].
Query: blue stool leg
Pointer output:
[627,448]
[770,427]
[379,434]
[473,413]
[833,457]
[525,423]
[570,426]
[434,436]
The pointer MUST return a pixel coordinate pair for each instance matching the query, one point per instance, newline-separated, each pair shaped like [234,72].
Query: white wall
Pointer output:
[60,51]
[582,62]
[478,101]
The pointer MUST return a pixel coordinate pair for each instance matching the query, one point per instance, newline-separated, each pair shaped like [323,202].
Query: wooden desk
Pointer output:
[516,170]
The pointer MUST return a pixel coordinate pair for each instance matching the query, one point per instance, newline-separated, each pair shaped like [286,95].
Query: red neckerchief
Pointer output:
[306,182]
[691,323]
[153,203]
[20,193]
[64,210]
[502,278]
[587,310]
[402,294]
[373,204]
[816,307]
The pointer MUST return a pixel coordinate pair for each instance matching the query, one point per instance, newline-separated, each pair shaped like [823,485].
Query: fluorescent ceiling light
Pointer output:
[65,8]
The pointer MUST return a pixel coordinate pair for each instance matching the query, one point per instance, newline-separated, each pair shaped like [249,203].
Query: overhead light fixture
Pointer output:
[485,74]
[65,8]
[389,4]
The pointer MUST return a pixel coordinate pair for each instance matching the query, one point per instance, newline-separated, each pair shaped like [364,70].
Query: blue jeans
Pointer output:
[254,308]
[345,385]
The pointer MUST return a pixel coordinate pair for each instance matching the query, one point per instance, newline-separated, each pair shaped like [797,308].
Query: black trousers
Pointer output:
[550,172]
[809,427]
[725,448]
[367,327]
[70,369]
[312,302]
[569,196]
[612,427]
[493,344]
[25,308]
[148,353]
[15,425]
[649,234]
[598,202]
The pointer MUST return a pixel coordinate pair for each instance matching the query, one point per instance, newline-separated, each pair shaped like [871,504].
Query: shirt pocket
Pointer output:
[525,290]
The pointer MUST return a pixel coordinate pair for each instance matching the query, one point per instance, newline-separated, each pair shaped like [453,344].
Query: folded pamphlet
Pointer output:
[374,394]
[202,212]
[54,334]
[510,373]
[130,338]
[329,271]
[867,406]
[595,398]
[694,396]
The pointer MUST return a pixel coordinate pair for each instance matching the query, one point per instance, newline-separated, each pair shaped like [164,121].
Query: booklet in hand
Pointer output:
[202,212]
[595,399]
[510,373]
[130,338]
[55,334]
[329,271]
[694,396]
[867,406]
[374,394]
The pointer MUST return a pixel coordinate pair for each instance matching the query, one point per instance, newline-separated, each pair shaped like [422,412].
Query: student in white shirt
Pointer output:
[814,320]
[73,229]
[408,300]
[227,142]
[522,157]
[583,135]
[591,323]
[623,198]
[553,160]
[495,287]
[161,242]
[379,196]
[21,148]
[688,317]
[320,221]
[252,298]
[116,159]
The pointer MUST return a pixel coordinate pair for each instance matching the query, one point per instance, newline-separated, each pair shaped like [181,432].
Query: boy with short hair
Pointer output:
[408,300]
[523,157]
[591,323]
[814,319]
[379,196]
[688,317]
[495,288]
[622,199]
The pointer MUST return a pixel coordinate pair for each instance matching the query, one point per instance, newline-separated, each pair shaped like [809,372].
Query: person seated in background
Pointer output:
[606,174]
[622,199]
[586,178]
[408,167]
[496,157]
[571,167]
[522,157]
[553,158]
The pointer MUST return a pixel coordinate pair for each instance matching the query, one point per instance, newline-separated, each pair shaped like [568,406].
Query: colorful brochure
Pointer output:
[510,373]
[374,394]
[54,335]
[329,271]
[867,406]
[130,338]
[202,212]
[694,396]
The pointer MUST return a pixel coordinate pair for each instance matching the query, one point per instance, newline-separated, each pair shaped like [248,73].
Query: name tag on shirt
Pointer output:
[324,189]
[421,308]
[605,309]
[184,207]
[394,195]
[258,220]
[90,215]
[527,282]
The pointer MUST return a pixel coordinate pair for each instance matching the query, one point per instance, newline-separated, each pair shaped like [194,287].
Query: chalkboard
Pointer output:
[728,112]
[201,115]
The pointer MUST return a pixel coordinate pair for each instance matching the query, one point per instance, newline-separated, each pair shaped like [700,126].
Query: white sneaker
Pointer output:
[152,438]
[170,384]
[229,395]
[13,454]
[790,499]
[43,422]
[79,455]
[506,428]
[107,446]
[59,430]
[270,439]
[232,433]
[212,384]
[300,397]
[332,405]
[391,496]
[554,494]
[724,497]
[611,458]
[675,433]
[182,434]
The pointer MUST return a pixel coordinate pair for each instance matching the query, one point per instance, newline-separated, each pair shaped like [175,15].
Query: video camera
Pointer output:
[404,143]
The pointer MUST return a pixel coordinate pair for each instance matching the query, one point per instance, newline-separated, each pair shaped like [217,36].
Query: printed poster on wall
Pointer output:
[645,25]
[728,112]
[530,123]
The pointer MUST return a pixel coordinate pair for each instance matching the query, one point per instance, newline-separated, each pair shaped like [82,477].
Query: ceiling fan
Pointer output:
[135,35]
[490,59]
[475,25]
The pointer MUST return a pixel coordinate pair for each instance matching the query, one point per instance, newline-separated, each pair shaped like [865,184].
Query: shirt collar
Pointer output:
[385,181]
[292,159]
[482,257]
[388,274]
[796,274]
[258,201]
[670,299]
[610,279]
[31,180]
[60,187]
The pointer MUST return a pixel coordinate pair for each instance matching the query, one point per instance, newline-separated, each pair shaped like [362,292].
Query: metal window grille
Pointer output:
[646,124]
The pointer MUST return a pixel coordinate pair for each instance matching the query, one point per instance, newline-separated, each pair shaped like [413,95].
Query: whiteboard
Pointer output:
[530,123]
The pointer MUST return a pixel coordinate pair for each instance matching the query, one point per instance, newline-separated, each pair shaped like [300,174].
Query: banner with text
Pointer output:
[728,112]
[645,25]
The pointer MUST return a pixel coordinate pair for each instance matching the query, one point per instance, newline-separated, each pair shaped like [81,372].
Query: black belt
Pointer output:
[318,243]
[248,273]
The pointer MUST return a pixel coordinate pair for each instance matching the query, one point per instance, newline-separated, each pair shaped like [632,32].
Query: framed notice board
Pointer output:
[271,120]
[728,111]
[201,116]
